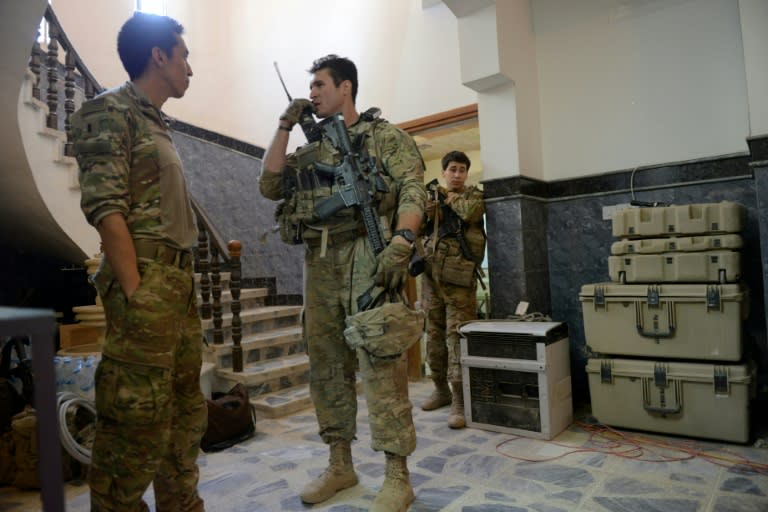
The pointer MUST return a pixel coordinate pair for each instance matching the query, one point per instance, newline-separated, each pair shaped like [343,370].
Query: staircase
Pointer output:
[39,197]
[275,364]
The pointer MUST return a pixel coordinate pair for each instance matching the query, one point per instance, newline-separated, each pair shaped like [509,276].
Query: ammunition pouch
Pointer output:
[450,266]
[458,270]
[386,331]
[289,230]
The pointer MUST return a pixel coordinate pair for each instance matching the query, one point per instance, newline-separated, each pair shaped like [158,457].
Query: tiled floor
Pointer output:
[470,470]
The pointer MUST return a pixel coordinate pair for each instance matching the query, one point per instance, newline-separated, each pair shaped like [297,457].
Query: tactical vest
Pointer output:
[447,260]
[304,187]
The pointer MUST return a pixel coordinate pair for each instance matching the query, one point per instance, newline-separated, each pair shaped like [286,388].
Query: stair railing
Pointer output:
[211,246]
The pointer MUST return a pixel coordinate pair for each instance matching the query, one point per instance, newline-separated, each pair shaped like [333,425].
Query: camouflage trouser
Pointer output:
[151,412]
[446,307]
[332,286]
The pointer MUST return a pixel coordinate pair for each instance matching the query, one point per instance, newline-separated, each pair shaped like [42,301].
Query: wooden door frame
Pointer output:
[413,127]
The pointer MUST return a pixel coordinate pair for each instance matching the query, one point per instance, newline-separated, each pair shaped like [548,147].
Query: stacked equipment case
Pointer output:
[667,330]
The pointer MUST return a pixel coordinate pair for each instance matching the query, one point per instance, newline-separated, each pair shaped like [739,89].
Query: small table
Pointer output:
[40,326]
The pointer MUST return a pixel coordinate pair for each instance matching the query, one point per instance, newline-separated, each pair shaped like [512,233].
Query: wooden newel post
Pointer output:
[235,248]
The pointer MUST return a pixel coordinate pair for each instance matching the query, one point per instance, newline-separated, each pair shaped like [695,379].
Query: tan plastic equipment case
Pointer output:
[676,267]
[690,399]
[677,244]
[676,321]
[688,219]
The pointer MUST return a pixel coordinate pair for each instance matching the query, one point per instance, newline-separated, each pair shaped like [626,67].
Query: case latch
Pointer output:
[653,295]
[721,380]
[599,296]
[606,372]
[660,375]
[713,298]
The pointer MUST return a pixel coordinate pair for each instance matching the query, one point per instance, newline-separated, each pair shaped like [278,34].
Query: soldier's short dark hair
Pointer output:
[141,33]
[340,68]
[456,156]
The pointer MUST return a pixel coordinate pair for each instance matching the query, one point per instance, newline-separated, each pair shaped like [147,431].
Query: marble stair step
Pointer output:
[249,298]
[261,346]
[282,403]
[269,376]
[288,401]
[259,319]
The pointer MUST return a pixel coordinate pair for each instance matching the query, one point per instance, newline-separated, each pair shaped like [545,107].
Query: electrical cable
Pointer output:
[533,316]
[65,400]
[604,439]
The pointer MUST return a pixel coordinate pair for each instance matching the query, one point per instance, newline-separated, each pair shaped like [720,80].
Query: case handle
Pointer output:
[662,410]
[655,334]
[670,401]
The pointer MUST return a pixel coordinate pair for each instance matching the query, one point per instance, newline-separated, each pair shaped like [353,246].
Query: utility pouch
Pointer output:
[384,331]
[457,270]
[289,229]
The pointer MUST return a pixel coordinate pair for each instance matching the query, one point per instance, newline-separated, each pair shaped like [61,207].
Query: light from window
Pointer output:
[151,6]
[42,31]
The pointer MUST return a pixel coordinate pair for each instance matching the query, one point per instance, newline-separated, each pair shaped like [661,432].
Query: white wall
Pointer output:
[754,20]
[428,79]
[628,83]
[406,56]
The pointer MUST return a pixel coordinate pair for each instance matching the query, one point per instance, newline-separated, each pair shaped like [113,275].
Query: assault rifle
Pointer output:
[357,178]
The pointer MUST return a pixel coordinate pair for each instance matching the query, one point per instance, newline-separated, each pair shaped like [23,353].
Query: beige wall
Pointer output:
[754,17]
[233,44]
[625,84]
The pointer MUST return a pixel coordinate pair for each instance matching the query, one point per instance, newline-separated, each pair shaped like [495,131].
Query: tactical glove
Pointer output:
[292,114]
[393,266]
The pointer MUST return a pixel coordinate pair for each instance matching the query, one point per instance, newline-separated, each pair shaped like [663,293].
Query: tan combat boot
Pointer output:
[337,476]
[456,416]
[396,492]
[440,397]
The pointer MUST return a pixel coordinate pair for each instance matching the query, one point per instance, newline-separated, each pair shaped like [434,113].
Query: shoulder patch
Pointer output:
[94,105]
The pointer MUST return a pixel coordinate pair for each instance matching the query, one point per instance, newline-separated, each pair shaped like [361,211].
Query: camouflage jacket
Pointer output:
[129,164]
[396,156]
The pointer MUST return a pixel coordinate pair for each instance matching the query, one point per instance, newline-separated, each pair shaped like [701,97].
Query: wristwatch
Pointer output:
[405,233]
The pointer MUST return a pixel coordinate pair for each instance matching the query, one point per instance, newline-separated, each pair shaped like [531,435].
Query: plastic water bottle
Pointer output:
[57,367]
[85,383]
[69,372]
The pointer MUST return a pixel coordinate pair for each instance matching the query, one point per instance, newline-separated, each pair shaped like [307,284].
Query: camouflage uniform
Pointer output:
[448,304]
[336,273]
[151,411]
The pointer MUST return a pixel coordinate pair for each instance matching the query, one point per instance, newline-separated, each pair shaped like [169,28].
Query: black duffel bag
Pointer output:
[231,420]
[13,400]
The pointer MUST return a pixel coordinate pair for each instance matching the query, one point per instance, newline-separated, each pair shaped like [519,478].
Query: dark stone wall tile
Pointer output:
[758,148]
[533,215]
[217,138]
[637,179]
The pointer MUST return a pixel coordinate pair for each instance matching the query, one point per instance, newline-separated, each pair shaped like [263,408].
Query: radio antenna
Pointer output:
[282,82]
